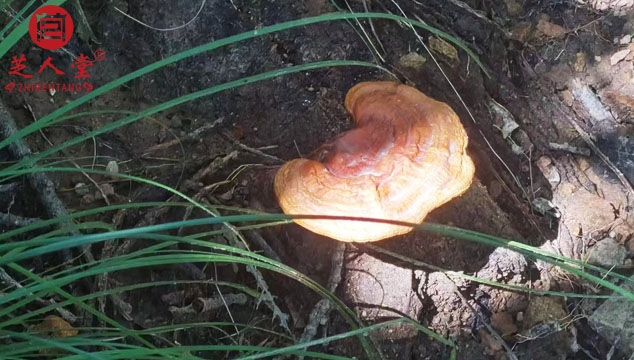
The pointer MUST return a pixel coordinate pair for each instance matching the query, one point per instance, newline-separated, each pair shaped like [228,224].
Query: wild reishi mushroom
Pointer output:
[405,157]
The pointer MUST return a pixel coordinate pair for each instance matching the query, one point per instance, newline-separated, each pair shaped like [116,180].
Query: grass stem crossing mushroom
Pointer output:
[405,157]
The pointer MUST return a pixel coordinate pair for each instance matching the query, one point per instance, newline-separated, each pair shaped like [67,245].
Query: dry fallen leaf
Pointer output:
[522,32]
[444,48]
[504,323]
[514,8]
[580,62]
[55,327]
[551,30]
[490,344]
[412,60]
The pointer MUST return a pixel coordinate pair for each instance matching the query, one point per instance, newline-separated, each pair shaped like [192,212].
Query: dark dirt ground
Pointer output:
[562,81]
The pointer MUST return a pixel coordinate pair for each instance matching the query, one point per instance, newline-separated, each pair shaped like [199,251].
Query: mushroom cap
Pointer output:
[405,157]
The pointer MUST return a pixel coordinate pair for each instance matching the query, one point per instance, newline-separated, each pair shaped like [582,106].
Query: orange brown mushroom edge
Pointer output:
[405,157]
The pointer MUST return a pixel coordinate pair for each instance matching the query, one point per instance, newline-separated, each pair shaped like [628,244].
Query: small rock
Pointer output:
[107,189]
[551,30]
[567,98]
[591,102]
[625,39]
[607,252]
[545,207]
[580,62]
[444,48]
[584,164]
[176,122]
[112,167]
[412,60]
[81,189]
[543,309]
[545,165]
[618,56]
[614,319]
[173,298]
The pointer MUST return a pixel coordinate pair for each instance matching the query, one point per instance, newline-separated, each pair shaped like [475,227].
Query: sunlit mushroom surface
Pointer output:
[405,156]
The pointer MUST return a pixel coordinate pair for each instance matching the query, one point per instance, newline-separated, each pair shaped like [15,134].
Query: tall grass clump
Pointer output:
[27,302]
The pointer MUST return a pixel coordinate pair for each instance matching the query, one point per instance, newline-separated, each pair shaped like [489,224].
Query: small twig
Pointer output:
[194,135]
[588,139]
[372,48]
[224,301]
[44,187]
[476,13]
[250,149]
[569,148]
[378,40]
[215,165]
[103,194]
[612,349]
[202,5]
[297,148]
[9,220]
[65,314]
[256,238]
[39,181]
[322,308]
[5,188]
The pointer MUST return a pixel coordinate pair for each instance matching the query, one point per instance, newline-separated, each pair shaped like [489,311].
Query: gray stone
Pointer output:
[380,289]
[614,320]
[607,252]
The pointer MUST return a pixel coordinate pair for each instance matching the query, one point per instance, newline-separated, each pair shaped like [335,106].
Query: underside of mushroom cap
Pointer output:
[405,157]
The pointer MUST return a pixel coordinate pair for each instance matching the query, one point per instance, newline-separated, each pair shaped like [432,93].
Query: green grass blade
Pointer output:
[181,100]
[35,126]
[73,300]
[20,31]
[481,280]
[441,229]
[356,332]
[184,352]
[531,251]
[51,343]
[16,18]
[63,219]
